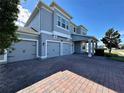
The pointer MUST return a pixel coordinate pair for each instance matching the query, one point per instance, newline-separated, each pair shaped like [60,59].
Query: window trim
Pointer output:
[62,28]
[74,29]
[62,21]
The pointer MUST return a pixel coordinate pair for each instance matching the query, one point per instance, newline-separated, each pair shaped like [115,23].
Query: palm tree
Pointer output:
[111,39]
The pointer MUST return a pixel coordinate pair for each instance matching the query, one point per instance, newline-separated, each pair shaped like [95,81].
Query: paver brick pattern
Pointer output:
[78,84]
[96,73]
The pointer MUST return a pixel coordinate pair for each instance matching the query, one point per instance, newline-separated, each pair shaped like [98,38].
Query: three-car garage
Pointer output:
[30,47]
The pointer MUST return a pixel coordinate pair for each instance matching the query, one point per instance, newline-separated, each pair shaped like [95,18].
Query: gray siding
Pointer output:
[84,31]
[55,28]
[78,38]
[81,31]
[40,45]
[46,20]
[72,29]
[77,47]
[35,23]
[28,36]
[78,30]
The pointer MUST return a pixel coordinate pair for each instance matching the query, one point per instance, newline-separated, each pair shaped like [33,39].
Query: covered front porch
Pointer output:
[84,44]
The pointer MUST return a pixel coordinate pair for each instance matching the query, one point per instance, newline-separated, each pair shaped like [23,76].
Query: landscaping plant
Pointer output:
[111,39]
[8,15]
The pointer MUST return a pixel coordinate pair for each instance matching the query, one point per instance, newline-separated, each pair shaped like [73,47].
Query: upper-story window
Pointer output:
[67,24]
[62,23]
[74,29]
[84,33]
[59,21]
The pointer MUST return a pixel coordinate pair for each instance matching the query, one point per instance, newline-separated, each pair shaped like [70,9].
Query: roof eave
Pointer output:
[58,7]
[39,5]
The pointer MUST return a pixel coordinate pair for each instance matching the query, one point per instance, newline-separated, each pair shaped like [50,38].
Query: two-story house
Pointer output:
[49,32]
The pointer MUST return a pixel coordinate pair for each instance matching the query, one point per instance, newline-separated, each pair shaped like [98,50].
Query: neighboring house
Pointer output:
[49,32]
[23,16]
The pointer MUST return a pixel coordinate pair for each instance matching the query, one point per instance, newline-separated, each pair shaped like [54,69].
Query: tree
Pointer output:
[8,16]
[122,46]
[111,39]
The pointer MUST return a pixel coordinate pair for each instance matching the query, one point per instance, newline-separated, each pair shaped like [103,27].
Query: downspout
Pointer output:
[40,37]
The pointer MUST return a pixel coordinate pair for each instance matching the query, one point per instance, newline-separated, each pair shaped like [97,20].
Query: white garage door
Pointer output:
[53,49]
[23,50]
[1,57]
[67,48]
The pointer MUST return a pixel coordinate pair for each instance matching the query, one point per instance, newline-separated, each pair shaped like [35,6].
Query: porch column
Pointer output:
[93,47]
[89,48]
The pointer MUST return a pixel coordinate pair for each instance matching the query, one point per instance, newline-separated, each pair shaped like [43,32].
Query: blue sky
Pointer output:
[96,15]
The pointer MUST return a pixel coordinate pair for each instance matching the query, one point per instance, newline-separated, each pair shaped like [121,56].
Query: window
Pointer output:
[67,25]
[62,23]
[74,29]
[59,21]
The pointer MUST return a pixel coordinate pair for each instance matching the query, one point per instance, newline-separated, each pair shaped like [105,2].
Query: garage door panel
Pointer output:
[67,48]
[1,57]
[53,49]
[23,50]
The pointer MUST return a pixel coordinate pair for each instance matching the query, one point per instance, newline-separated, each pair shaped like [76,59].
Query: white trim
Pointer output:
[5,57]
[52,41]
[61,34]
[62,17]
[62,12]
[43,57]
[46,9]
[46,32]
[89,48]
[37,46]
[66,20]
[67,42]
[24,33]
[56,33]
[62,28]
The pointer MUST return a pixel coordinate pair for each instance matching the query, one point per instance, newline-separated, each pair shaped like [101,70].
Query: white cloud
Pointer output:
[122,32]
[122,35]
[22,16]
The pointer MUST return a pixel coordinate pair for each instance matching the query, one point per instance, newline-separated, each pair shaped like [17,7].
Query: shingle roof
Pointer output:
[27,30]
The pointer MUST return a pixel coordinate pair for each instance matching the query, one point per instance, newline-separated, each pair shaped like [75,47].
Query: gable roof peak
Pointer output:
[54,4]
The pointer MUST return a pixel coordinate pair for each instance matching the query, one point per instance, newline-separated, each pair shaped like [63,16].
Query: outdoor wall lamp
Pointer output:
[43,43]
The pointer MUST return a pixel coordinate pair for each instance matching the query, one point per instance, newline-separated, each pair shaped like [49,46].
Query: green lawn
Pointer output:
[117,55]
[121,59]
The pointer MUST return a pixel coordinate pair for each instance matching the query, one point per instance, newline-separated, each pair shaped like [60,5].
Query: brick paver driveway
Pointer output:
[16,76]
